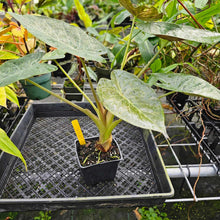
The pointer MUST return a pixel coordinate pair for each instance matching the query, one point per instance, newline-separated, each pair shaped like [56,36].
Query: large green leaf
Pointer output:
[63,36]
[8,146]
[184,83]
[132,100]
[23,68]
[172,31]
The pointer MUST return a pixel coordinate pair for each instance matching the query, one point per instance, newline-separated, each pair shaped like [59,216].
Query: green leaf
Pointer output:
[200,3]
[23,68]
[156,65]
[180,82]
[8,146]
[207,14]
[56,54]
[146,50]
[171,9]
[46,3]
[175,32]
[5,55]
[69,5]
[11,95]
[92,74]
[203,16]
[132,100]
[121,16]
[63,36]
[169,68]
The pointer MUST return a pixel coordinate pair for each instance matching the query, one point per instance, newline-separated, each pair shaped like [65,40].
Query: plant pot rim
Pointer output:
[93,165]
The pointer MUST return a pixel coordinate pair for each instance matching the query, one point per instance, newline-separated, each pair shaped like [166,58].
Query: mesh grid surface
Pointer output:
[53,172]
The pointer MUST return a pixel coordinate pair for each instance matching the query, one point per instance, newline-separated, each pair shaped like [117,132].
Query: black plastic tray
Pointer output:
[53,181]
[190,114]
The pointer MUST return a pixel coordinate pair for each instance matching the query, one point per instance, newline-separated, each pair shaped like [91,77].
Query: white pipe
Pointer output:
[206,170]
[192,200]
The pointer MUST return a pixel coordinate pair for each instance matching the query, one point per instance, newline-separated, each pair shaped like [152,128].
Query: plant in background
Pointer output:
[43,215]
[124,95]
[195,58]
[152,213]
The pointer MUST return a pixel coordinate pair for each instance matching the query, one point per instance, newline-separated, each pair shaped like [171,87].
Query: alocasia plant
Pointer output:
[124,95]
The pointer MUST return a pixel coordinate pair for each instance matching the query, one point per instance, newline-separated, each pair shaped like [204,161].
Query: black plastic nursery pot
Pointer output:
[73,96]
[34,92]
[178,99]
[71,93]
[53,181]
[66,64]
[99,172]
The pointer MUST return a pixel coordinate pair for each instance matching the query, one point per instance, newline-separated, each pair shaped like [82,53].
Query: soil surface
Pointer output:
[88,154]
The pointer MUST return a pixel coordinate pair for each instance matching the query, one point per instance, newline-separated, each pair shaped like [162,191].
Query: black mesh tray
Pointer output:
[53,181]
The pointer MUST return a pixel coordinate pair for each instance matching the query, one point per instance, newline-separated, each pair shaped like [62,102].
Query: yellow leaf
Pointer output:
[3,97]
[5,38]
[1,6]
[8,146]
[82,14]
[11,95]
[126,38]
[17,31]
[22,1]
[74,24]
[31,43]
[143,12]
[5,55]
[4,31]
[209,24]
[8,16]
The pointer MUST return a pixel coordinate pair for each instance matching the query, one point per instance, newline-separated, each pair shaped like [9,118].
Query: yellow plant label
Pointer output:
[78,131]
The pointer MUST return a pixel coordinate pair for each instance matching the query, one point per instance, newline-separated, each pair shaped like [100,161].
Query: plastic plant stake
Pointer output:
[78,132]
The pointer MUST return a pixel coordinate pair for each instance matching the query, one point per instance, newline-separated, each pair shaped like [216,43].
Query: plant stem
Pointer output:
[74,83]
[166,94]
[90,81]
[85,111]
[99,112]
[151,60]
[128,45]
[194,19]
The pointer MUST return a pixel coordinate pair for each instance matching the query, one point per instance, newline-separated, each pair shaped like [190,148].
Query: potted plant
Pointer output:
[125,95]
[70,91]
